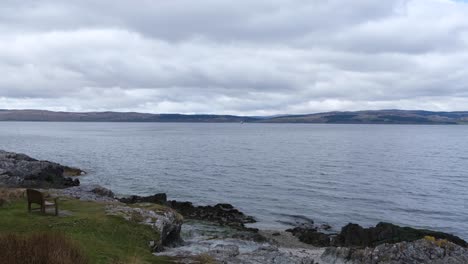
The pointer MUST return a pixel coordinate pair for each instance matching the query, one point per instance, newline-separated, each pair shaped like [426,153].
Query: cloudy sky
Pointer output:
[252,57]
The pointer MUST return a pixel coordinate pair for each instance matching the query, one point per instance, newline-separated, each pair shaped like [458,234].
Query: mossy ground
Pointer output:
[104,239]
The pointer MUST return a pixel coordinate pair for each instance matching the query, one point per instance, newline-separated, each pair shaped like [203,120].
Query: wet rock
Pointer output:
[99,190]
[159,198]
[69,182]
[229,250]
[270,254]
[420,251]
[223,214]
[224,251]
[251,234]
[310,235]
[20,170]
[357,236]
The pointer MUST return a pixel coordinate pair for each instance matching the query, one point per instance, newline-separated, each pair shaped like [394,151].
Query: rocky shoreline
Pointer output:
[20,170]
[220,233]
[223,214]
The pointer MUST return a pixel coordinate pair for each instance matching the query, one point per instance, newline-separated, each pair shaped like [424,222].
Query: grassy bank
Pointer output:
[102,238]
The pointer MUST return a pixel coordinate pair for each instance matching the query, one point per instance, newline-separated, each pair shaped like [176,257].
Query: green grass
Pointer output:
[104,239]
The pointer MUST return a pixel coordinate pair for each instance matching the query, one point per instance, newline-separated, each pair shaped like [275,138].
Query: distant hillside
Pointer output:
[377,117]
[41,115]
[358,117]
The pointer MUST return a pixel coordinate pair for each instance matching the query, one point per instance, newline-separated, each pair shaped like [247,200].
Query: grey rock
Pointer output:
[223,214]
[224,251]
[99,190]
[159,198]
[86,193]
[353,235]
[167,222]
[311,236]
[20,170]
[277,256]
[420,251]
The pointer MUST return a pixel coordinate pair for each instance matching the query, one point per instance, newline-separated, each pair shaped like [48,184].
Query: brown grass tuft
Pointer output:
[10,194]
[50,248]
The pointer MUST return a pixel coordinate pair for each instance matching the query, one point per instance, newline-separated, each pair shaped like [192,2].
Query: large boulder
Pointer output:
[20,170]
[311,235]
[165,221]
[353,235]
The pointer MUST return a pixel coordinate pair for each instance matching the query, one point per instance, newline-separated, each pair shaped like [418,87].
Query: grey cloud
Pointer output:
[236,57]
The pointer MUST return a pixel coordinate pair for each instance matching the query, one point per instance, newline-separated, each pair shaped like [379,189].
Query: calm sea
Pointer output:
[279,173]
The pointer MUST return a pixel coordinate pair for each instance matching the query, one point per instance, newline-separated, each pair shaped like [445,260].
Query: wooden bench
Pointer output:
[38,197]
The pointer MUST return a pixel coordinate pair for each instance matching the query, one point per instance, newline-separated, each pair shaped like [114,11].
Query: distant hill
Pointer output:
[358,117]
[377,117]
[42,115]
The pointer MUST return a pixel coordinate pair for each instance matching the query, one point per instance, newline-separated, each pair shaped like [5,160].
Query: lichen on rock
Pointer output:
[166,222]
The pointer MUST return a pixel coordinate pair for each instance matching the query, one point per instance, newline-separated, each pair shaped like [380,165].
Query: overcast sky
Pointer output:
[252,57]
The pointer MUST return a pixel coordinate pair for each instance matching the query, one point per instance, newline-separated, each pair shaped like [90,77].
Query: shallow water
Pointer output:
[279,173]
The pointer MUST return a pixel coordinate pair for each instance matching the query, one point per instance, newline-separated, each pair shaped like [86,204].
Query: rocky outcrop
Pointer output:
[223,214]
[311,236]
[94,193]
[165,221]
[428,251]
[101,191]
[159,198]
[353,235]
[19,170]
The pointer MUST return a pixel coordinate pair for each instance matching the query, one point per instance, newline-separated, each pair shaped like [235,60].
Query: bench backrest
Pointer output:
[35,196]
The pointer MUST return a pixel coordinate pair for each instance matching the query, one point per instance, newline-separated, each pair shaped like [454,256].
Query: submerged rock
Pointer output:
[428,251]
[20,170]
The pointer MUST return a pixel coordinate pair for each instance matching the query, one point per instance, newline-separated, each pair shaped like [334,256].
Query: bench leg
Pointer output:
[56,209]
[29,207]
